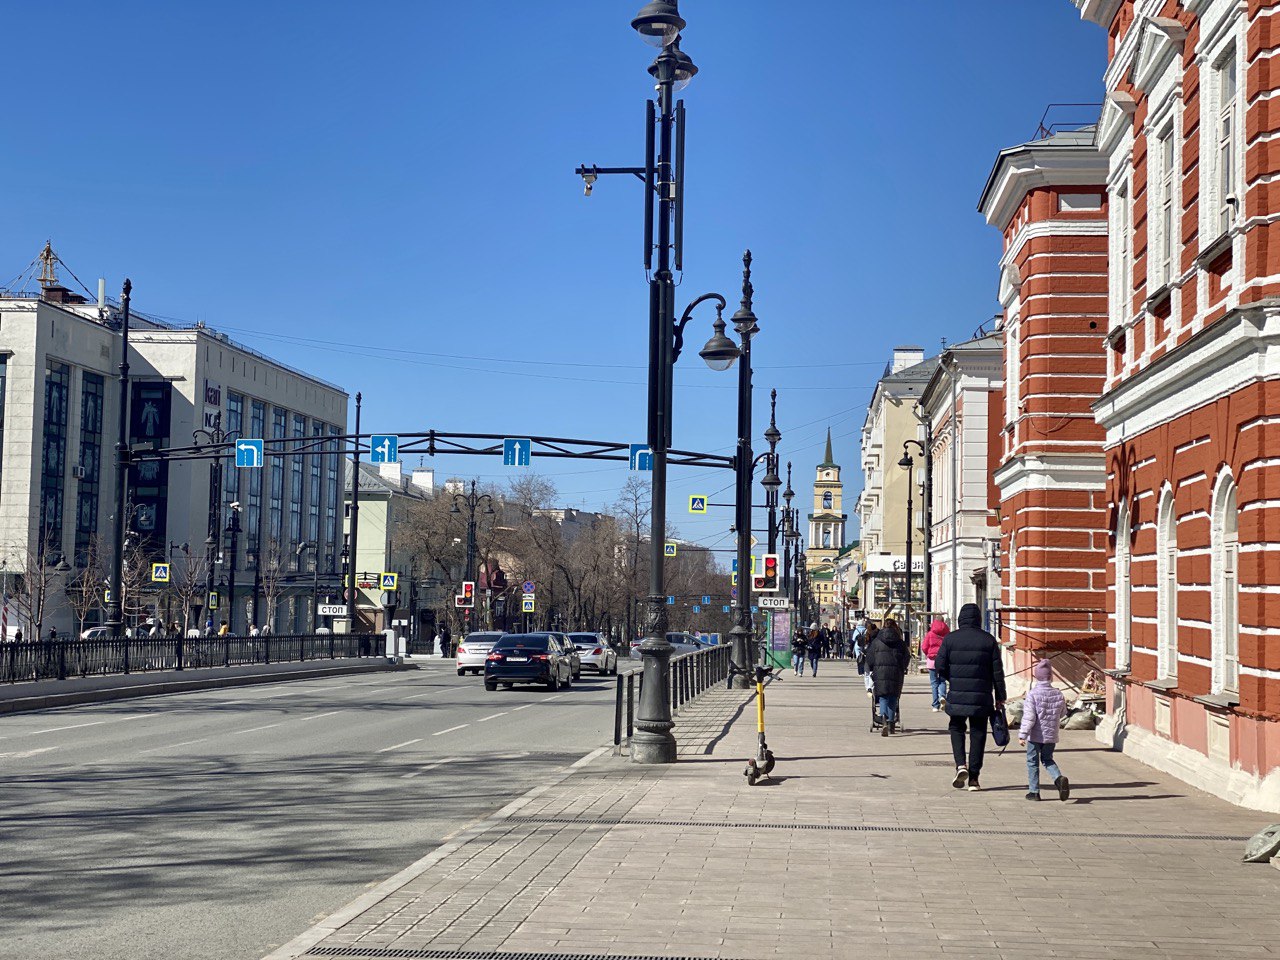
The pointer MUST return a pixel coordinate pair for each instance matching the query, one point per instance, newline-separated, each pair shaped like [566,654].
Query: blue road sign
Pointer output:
[384,448]
[516,452]
[248,453]
[725,608]
[707,601]
[734,593]
[641,457]
[671,601]
[528,586]
[669,550]
[696,608]
[755,609]
[697,504]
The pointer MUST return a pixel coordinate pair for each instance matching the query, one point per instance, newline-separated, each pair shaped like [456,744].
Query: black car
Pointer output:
[529,658]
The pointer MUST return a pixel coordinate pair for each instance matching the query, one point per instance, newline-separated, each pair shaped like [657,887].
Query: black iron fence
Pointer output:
[60,659]
[691,675]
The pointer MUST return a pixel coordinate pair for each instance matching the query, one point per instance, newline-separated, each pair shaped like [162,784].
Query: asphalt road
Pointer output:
[221,824]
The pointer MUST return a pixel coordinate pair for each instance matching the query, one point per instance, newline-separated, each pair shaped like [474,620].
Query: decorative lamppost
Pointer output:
[233,543]
[115,606]
[772,483]
[908,464]
[926,451]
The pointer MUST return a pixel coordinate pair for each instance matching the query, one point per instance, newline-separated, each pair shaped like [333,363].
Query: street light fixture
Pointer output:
[471,501]
[659,23]
[908,464]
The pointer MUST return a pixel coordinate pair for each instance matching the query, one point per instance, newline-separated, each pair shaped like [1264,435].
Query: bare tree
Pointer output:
[272,575]
[34,588]
[187,586]
[85,588]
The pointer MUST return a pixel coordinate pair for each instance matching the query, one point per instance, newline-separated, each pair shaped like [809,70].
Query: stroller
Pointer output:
[876,721]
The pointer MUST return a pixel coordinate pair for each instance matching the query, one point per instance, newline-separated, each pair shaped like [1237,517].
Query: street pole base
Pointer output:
[653,743]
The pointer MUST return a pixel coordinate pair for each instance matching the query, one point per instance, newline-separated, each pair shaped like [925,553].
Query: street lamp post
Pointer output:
[354,523]
[471,501]
[720,353]
[926,451]
[788,535]
[908,464]
[772,482]
[217,436]
[233,534]
[115,606]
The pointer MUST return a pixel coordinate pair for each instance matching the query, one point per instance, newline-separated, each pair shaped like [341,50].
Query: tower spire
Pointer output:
[827,461]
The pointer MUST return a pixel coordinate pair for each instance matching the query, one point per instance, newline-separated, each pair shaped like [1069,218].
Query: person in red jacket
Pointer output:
[929,647]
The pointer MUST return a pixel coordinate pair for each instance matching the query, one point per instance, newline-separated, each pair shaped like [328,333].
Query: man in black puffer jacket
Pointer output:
[969,660]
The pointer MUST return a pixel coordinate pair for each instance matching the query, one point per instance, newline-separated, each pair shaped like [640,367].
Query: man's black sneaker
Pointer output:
[1064,787]
[1033,796]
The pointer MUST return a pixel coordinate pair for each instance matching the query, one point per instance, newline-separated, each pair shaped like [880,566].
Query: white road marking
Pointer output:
[27,753]
[492,716]
[251,730]
[439,733]
[407,743]
[525,707]
[170,746]
[427,766]
[415,696]
[91,723]
[317,716]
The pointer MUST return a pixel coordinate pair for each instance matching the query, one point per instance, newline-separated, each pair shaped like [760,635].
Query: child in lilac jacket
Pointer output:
[1042,712]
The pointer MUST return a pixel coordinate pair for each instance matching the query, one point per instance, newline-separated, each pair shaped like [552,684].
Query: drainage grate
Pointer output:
[868,828]
[393,953]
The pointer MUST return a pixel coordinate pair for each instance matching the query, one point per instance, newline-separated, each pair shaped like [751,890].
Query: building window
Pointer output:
[1167,589]
[295,481]
[1166,227]
[1228,129]
[1122,258]
[90,474]
[315,496]
[1124,592]
[826,500]
[1225,589]
[275,521]
[235,429]
[1012,374]
[53,469]
[253,516]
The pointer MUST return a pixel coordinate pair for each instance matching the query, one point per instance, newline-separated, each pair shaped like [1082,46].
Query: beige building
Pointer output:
[882,505]
[826,537]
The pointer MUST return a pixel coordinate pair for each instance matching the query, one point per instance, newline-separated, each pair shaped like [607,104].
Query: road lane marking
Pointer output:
[493,716]
[28,753]
[426,767]
[317,716]
[440,733]
[251,730]
[91,723]
[170,746]
[407,743]
[525,707]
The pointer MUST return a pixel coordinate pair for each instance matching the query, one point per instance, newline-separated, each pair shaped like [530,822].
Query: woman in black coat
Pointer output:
[887,659]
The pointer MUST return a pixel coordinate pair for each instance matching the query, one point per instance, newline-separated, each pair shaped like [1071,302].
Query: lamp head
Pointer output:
[658,22]
[683,69]
[720,352]
[906,462]
[589,177]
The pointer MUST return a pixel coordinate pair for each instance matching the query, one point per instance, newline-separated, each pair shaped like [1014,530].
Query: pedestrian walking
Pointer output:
[817,650]
[254,631]
[798,645]
[1042,712]
[223,629]
[862,644]
[929,647]
[969,662]
[887,658]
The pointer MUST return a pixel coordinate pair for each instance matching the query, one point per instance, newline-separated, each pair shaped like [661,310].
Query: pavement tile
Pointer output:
[1078,879]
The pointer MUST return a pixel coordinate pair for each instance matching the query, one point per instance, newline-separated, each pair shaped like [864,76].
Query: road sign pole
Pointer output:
[355,524]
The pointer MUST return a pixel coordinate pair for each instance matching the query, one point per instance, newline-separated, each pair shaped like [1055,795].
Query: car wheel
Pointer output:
[577,676]
[461,671]
[491,686]
[554,683]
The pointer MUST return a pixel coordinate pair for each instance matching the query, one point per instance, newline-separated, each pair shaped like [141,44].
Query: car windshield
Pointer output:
[483,638]
[584,639]
[517,642]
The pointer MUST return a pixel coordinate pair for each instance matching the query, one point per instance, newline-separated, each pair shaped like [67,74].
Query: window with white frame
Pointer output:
[1225,193]
[1122,260]
[1163,211]
[1124,607]
[1225,589]
[1167,588]
[1012,374]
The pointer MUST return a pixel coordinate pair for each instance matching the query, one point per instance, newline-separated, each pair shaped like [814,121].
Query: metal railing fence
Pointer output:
[691,675]
[61,659]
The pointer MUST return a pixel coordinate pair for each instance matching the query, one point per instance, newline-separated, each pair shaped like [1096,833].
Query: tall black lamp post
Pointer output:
[353,533]
[926,451]
[115,606]
[908,464]
[233,544]
[772,483]
[788,536]
[720,353]
[216,436]
[471,501]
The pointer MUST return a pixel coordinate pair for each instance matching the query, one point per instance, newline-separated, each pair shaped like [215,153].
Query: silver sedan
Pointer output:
[595,652]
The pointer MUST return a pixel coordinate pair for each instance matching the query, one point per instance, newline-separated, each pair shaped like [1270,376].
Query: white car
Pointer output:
[96,633]
[595,652]
[473,650]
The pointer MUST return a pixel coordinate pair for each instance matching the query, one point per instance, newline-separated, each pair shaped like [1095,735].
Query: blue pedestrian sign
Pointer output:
[384,448]
[248,453]
[641,457]
[697,504]
[671,601]
[725,608]
[669,550]
[706,601]
[516,452]
[697,609]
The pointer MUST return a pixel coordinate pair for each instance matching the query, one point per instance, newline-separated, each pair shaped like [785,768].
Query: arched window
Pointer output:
[1124,609]
[826,500]
[1167,589]
[826,538]
[1225,588]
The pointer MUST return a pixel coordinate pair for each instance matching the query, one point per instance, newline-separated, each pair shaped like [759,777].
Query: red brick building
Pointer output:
[1048,199]
[1190,134]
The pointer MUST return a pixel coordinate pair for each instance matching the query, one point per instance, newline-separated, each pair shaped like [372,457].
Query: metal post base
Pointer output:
[653,741]
[739,636]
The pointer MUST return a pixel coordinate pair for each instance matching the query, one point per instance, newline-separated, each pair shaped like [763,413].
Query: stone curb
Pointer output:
[300,944]
[105,695]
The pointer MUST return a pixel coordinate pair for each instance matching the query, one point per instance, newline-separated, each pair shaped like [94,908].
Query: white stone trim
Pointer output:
[1030,471]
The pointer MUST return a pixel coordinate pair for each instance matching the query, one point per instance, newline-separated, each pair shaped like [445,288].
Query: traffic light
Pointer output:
[768,582]
[467,598]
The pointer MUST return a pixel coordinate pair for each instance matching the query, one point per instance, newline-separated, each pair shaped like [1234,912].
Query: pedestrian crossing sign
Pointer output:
[390,581]
[698,504]
[159,573]
[669,550]
[528,604]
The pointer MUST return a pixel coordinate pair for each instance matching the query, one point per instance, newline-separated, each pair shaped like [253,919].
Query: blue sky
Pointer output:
[386,199]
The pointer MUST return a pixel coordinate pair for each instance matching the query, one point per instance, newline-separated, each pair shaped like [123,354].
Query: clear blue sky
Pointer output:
[386,198]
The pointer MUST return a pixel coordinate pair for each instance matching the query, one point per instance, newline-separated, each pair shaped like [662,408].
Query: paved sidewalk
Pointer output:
[860,847]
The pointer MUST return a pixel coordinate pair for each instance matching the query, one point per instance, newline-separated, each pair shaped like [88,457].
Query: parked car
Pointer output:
[529,658]
[473,650]
[95,633]
[595,652]
[683,643]
[571,651]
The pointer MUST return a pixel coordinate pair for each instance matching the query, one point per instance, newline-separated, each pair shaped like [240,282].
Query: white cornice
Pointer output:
[1021,169]
[1101,12]
[1052,228]
[1241,348]
[1162,40]
[1067,471]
